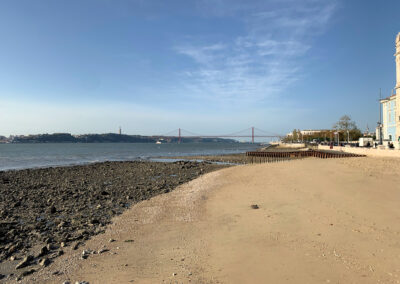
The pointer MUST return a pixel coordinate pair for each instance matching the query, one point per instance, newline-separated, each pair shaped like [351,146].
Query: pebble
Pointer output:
[75,246]
[44,262]
[102,250]
[53,210]
[81,282]
[27,272]
[254,206]
[174,274]
[43,251]
[51,247]
[85,254]
[66,282]
[111,240]
[25,262]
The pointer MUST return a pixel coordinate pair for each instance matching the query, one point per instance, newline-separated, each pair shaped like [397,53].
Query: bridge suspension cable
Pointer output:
[251,132]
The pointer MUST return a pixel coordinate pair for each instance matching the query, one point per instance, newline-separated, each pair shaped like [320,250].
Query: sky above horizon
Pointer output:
[211,67]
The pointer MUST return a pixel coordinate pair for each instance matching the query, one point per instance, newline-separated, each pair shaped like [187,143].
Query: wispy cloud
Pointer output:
[263,61]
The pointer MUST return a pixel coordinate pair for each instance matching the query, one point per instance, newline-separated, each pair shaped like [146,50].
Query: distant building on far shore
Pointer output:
[391,107]
[313,132]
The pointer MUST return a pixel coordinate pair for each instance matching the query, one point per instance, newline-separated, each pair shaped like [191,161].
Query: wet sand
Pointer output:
[318,221]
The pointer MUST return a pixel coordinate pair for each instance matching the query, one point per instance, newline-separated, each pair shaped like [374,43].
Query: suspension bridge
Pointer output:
[251,132]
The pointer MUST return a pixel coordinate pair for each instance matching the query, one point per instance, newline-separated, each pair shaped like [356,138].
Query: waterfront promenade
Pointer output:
[370,152]
[318,221]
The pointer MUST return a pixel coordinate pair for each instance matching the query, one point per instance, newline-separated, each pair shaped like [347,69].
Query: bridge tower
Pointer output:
[179,135]
[252,135]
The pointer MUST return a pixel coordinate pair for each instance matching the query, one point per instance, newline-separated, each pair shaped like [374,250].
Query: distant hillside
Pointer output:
[109,138]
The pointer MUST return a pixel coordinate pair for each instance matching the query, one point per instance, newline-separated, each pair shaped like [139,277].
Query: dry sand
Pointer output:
[319,221]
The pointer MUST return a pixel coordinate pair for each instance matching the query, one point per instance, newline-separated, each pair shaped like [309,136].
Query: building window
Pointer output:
[390,137]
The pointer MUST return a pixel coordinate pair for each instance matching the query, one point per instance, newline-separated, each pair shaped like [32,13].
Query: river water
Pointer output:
[20,156]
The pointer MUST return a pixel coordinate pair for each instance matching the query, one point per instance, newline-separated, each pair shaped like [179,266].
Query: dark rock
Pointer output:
[27,272]
[102,250]
[254,206]
[2,276]
[85,254]
[48,240]
[75,246]
[44,262]
[51,247]
[25,262]
[43,251]
[12,249]
[53,210]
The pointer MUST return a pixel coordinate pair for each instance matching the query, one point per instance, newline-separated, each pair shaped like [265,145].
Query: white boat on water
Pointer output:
[158,142]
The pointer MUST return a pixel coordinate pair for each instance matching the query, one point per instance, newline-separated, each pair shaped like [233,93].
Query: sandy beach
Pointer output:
[318,221]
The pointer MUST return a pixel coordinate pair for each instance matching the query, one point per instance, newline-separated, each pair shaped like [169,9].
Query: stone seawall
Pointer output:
[291,145]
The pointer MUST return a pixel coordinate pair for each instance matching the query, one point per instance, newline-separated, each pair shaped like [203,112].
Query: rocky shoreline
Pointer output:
[233,159]
[43,210]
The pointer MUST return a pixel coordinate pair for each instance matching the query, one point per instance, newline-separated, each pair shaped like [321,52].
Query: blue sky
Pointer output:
[206,66]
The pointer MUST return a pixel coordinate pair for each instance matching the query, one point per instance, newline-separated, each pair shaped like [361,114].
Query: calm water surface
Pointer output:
[20,156]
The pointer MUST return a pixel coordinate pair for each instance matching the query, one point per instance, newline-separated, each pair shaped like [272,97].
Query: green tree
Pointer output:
[295,136]
[347,128]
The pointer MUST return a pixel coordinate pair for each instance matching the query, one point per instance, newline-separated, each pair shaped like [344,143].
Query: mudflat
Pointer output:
[316,221]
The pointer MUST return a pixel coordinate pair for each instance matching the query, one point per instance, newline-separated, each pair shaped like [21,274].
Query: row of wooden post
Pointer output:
[270,157]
